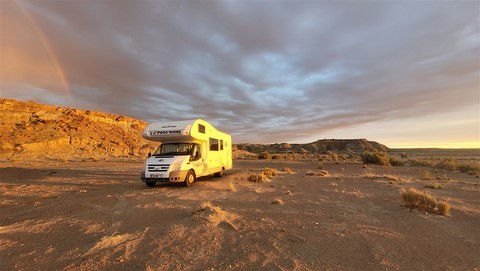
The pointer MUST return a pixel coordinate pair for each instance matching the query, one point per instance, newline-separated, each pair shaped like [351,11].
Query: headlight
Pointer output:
[176,166]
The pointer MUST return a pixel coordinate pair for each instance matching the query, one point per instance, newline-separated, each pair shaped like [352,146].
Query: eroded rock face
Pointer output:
[31,131]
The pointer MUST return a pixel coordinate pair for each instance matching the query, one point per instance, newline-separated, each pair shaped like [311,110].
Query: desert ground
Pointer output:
[100,216]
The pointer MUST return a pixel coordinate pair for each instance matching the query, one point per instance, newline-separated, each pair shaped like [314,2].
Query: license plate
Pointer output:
[155,175]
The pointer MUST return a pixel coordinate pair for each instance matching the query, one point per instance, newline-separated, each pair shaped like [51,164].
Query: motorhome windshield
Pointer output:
[174,149]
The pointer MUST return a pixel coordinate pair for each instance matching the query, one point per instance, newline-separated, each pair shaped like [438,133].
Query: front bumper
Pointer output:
[174,176]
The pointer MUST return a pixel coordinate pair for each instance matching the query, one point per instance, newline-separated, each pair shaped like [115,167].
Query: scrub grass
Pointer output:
[287,170]
[412,198]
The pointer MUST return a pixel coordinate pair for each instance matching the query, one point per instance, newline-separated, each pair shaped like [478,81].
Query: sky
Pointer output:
[402,73]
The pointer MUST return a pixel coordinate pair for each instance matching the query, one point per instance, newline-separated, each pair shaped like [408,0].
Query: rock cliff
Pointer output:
[31,131]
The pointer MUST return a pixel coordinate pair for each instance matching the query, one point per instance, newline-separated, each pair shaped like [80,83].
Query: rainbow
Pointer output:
[48,47]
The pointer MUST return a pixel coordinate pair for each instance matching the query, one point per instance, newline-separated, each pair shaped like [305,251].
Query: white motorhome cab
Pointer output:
[188,150]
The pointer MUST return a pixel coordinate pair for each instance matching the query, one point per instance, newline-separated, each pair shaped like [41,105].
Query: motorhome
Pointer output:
[188,150]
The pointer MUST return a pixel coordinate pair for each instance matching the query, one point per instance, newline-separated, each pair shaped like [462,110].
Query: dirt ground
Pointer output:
[100,216]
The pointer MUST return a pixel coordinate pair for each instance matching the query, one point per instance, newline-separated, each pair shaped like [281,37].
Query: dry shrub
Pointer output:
[287,170]
[443,208]
[284,156]
[427,175]
[278,201]
[321,173]
[450,164]
[391,177]
[434,186]
[471,169]
[257,178]
[422,162]
[471,172]
[258,190]
[396,162]
[290,156]
[412,198]
[269,172]
[375,157]
[370,174]
[332,156]
[264,155]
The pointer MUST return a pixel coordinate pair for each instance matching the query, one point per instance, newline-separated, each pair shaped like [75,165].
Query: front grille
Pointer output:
[157,168]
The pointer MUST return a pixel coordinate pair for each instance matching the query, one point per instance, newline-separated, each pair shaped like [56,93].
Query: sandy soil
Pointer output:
[100,216]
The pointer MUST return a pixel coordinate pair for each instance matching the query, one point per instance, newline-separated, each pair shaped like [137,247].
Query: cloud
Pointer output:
[266,71]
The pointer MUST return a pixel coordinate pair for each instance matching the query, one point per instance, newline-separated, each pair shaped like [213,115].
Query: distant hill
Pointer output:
[32,131]
[317,147]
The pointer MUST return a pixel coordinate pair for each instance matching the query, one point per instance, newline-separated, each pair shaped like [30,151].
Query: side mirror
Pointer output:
[149,154]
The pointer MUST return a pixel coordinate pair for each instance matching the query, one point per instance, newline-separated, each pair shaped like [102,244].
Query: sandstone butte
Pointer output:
[30,131]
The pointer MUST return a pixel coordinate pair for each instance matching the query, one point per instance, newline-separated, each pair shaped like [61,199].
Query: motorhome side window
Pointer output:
[213,144]
[221,145]
[201,128]
[196,154]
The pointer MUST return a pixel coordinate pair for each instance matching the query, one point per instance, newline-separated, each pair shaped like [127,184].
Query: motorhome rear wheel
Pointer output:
[219,174]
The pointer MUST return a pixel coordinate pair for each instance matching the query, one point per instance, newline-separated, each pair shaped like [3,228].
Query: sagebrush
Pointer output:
[412,198]
[264,155]
[257,178]
[375,157]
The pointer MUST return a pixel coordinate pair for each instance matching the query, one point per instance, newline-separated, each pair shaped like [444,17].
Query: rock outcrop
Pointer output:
[31,131]
[317,147]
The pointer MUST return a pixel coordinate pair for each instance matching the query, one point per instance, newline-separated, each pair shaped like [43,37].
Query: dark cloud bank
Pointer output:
[268,71]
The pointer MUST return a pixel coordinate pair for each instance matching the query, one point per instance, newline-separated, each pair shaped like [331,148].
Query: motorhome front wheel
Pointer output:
[190,178]
[150,184]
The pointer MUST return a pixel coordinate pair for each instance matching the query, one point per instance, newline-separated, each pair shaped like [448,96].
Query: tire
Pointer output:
[150,184]
[219,174]
[190,178]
